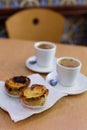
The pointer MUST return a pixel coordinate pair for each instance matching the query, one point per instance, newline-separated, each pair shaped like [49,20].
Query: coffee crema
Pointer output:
[45,46]
[69,63]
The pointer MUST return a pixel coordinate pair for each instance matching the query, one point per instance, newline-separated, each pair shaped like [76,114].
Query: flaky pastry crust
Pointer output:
[35,95]
[15,84]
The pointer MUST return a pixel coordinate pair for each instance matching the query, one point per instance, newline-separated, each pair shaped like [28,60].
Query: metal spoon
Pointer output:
[53,82]
[33,61]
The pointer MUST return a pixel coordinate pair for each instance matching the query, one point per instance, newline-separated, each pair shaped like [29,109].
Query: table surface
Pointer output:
[69,113]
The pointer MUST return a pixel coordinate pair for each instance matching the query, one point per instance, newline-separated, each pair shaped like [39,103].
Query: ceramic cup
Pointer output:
[45,53]
[68,69]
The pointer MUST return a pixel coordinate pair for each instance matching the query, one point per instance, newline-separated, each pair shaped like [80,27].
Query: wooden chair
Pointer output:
[36,24]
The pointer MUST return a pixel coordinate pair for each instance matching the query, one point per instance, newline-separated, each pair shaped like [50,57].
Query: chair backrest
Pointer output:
[36,24]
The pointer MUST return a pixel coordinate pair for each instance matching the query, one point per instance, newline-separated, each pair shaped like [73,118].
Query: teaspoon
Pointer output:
[53,82]
[33,61]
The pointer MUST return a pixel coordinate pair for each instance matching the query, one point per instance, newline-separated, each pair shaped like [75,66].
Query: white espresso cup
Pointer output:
[68,69]
[45,53]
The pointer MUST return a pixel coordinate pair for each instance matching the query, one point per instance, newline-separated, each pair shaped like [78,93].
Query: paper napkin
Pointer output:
[17,110]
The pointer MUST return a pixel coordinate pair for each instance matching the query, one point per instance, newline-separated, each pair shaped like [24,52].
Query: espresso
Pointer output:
[69,63]
[45,46]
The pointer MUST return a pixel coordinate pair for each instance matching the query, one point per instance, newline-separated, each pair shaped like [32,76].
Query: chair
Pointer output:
[38,24]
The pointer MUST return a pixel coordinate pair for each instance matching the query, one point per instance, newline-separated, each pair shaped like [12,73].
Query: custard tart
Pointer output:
[35,95]
[15,84]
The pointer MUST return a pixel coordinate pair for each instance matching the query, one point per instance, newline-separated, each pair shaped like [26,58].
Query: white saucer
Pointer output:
[36,68]
[78,88]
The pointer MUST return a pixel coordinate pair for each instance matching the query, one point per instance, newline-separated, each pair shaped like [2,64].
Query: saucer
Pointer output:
[32,65]
[78,88]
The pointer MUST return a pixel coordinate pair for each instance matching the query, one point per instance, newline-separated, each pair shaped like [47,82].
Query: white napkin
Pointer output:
[17,110]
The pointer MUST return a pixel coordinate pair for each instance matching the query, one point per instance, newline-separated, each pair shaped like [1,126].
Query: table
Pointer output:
[69,113]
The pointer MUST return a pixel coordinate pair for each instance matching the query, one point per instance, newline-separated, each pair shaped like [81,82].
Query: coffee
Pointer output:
[68,70]
[45,46]
[45,53]
[69,63]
